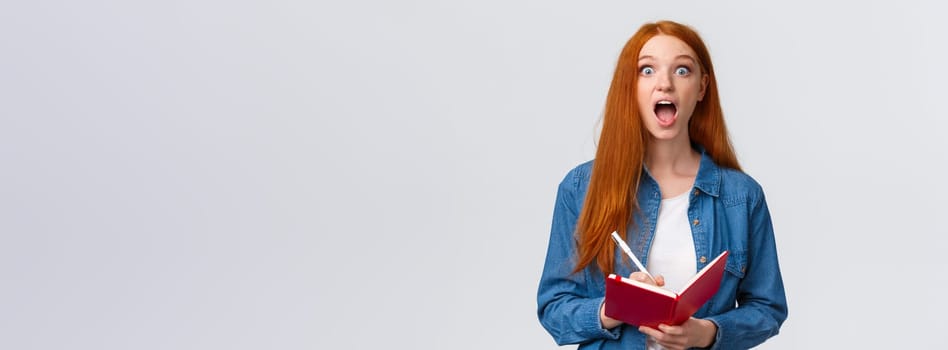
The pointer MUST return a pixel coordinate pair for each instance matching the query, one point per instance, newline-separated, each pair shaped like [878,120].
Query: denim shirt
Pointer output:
[727,211]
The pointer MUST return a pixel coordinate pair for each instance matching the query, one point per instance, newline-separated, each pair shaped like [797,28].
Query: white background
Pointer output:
[380,174]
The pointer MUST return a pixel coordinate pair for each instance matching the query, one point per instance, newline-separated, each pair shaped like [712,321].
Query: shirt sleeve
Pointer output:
[565,306]
[762,304]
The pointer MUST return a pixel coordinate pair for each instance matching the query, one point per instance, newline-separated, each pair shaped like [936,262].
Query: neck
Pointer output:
[672,156]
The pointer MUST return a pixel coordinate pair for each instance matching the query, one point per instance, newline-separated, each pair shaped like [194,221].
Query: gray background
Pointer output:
[373,174]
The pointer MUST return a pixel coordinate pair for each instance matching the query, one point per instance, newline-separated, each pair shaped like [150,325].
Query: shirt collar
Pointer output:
[708,179]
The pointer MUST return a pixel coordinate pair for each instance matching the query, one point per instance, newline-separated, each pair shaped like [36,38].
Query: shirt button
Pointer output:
[696,192]
[695,222]
[703,260]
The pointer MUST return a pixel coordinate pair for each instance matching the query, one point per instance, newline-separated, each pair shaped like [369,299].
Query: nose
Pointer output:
[664,83]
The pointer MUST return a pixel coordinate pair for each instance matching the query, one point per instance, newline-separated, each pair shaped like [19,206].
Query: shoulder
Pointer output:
[738,180]
[730,185]
[738,187]
[579,176]
[574,185]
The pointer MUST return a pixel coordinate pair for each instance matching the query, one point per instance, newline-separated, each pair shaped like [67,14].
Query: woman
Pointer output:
[666,178]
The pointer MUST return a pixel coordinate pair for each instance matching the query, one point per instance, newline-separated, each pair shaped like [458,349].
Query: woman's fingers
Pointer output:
[642,277]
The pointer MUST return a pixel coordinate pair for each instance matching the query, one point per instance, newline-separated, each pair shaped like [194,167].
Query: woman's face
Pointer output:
[669,86]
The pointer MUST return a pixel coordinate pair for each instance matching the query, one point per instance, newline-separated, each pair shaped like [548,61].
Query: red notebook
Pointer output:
[642,304]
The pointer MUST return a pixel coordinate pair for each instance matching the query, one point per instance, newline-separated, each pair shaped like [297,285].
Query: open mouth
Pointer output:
[666,112]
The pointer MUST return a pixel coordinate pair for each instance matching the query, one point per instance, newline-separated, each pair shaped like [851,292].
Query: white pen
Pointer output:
[625,248]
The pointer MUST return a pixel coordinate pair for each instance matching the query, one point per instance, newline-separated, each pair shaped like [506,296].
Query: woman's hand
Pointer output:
[693,333]
[608,322]
[642,277]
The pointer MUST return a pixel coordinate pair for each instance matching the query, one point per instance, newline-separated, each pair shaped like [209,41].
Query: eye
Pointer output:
[682,71]
[647,70]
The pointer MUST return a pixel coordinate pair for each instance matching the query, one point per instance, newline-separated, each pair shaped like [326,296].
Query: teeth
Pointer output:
[664,103]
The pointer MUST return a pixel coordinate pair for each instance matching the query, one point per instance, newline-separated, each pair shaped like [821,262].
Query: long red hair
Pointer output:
[611,198]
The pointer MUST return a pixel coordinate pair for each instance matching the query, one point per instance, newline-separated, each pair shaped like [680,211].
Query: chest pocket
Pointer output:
[724,299]
[736,264]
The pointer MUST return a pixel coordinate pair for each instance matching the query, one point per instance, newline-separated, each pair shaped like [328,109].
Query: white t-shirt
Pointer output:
[672,254]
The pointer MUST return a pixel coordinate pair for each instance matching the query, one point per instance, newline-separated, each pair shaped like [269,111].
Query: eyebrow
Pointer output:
[693,60]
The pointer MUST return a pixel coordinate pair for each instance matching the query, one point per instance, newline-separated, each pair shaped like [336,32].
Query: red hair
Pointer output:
[611,199]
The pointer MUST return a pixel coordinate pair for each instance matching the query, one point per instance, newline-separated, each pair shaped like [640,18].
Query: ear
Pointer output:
[704,87]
